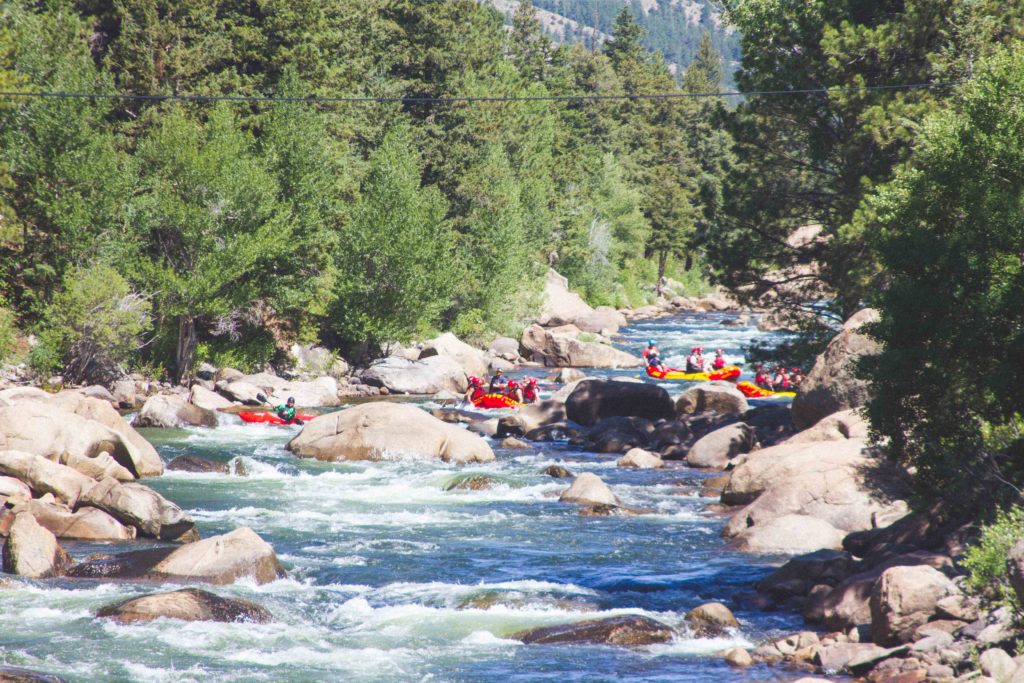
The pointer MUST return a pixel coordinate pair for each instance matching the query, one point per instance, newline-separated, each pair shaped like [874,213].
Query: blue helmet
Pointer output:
[650,342]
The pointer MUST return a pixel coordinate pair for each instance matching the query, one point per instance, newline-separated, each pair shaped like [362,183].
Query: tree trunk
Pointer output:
[662,262]
[186,351]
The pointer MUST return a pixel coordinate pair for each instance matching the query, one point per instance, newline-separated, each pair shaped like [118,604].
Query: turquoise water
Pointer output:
[391,578]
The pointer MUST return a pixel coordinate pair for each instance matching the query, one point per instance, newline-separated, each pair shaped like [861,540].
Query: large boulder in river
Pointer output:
[168,411]
[209,400]
[72,424]
[374,431]
[558,349]
[831,385]
[33,551]
[846,424]
[141,507]
[218,560]
[531,417]
[837,482]
[190,604]
[589,489]
[322,391]
[717,448]
[45,476]
[714,397]
[789,534]
[428,376]
[627,629]
[593,400]
[87,524]
[473,361]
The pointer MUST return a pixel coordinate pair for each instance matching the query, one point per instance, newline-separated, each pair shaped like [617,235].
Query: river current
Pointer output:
[392,578]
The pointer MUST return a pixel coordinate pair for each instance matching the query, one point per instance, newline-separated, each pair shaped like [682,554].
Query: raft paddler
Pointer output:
[475,391]
[695,361]
[530,394]
[514,391]
[498,382]
[652,358]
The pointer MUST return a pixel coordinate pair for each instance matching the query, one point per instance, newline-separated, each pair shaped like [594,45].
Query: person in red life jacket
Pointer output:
[795,378]
[695,361]
[652,357]
[475,391]
[498,382]
[761,378]
[719,361]
[530,394]
[514,391]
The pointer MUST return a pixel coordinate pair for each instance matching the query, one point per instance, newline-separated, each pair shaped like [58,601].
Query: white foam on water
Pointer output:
[487,638]
[168,674]
[368,660]
[698,646]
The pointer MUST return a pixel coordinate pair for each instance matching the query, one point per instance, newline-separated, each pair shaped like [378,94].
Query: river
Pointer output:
[391,578]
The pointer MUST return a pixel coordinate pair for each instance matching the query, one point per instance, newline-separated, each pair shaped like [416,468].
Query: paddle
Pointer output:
[260,397]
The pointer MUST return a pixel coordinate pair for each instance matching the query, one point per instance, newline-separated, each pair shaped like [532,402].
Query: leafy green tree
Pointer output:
[67,181]
[809,160]
[209,222]
[949,229]
[95,325]
[395,257]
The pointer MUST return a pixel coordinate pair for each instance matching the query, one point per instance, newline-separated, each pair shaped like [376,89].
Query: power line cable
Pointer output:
[9,94]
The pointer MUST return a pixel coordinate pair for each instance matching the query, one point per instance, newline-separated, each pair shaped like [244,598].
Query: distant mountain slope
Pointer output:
[673,27]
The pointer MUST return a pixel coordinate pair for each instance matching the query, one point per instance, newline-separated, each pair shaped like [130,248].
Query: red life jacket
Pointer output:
[477,394]
[719,363]
[761,380]
[529,394]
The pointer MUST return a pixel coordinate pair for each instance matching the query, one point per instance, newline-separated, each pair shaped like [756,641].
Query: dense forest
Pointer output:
[193,229]
[155,233]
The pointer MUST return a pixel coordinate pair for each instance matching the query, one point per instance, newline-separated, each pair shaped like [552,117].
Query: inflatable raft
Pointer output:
[267,417]
[495,401]
[728,372]
[751,390]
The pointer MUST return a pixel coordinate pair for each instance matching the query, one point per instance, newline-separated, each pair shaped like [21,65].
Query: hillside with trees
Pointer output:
[205,230]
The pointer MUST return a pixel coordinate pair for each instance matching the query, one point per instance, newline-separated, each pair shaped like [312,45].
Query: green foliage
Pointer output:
[985,561]
[812,160]
[249,353]
[94,326]
[8,333]
[395,255]
[948,231]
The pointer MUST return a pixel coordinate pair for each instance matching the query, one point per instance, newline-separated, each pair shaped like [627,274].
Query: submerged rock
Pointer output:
[711,618]
[471,482]
[190,463]
[190,604]
[557,471]
[627,630]
[373,431]
[14,674]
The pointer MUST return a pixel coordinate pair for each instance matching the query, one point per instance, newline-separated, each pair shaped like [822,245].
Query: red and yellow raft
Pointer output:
[751,390]
[728,372]
[267,417]
[495,401]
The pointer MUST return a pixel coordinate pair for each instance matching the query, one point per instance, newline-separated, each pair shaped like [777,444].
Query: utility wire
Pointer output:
[454,100]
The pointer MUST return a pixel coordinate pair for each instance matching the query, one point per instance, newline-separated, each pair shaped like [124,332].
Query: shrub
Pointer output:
[93,326]
[8,334]
[986,561]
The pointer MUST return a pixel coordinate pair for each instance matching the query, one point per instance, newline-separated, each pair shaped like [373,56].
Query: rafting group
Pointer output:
[501,392]
[778,382]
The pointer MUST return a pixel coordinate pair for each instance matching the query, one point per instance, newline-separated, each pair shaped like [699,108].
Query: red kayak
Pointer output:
[495,401]
[267,417]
